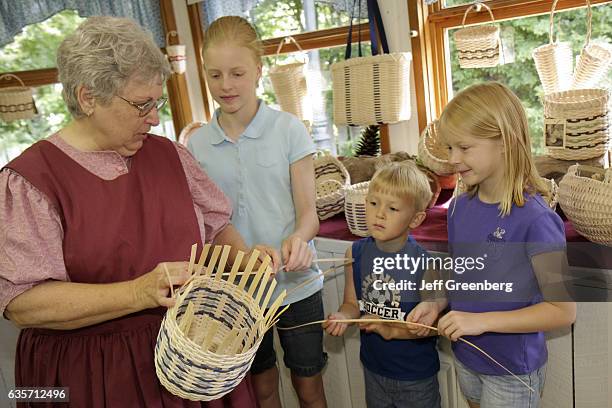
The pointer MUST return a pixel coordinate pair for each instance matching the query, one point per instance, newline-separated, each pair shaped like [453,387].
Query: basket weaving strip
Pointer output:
[208,340]
[587,201]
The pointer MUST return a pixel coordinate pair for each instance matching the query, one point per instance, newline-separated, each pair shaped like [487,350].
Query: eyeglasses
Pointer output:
[146,107]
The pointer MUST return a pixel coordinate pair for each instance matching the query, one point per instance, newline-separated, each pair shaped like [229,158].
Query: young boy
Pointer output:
[400,365]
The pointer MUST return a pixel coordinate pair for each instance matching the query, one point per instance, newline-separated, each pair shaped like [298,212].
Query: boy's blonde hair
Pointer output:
[491,110]
[235,30]
[405,180]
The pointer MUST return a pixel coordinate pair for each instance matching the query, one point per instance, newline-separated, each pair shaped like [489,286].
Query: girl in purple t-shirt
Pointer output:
[502,218]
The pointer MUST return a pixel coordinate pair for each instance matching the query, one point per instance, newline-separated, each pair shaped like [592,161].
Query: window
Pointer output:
[524,26]
[32,55]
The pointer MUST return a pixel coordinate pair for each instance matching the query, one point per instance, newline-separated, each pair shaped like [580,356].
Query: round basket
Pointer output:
[331,177]
[585,196]
[16,102]
[584,117]
[554,61]
[478,46]
[208,340]
[594,61]
[433,153]
[355,208]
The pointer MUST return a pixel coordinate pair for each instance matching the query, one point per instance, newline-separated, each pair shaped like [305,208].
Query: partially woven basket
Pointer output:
[208,340]
[355,208]
[554,61]
[586,115]
[478,46]
[594,61]
[433,153]
[331,177]
[372,90]
[289,84]
[585,195]
[16,102]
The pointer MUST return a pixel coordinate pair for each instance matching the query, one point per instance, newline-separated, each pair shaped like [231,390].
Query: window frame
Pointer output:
[429,48]
[176,85]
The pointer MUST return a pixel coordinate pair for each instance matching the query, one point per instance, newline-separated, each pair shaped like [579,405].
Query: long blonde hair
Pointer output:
[236,30]
[491,110]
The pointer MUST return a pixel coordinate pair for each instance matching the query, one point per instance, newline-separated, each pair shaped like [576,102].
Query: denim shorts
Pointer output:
[501,391]
[383,392]
[303,347]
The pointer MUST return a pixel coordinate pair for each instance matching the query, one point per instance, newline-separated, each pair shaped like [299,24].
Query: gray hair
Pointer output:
[102,55]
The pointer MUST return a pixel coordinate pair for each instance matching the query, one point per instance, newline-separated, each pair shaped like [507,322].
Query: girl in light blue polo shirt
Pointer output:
[262,160]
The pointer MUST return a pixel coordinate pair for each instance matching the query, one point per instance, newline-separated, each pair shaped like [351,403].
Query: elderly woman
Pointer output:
[91,218]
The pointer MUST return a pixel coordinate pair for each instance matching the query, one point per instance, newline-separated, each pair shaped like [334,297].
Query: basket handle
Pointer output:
[589,18]
[477,7]
[284,41]
[6,76]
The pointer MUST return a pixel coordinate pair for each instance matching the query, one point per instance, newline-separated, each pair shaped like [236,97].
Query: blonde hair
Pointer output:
[102,55]
[405,180]
[236,30]
[491,110]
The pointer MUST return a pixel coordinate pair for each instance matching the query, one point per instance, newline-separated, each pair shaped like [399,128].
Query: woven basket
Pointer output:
[16,102]
[554,61]
[372,90]
[289,84]
[586,119]
[585,195]
[355,208]
[594,60]
[331,177]
[208,340]
[478,46]
[433,153]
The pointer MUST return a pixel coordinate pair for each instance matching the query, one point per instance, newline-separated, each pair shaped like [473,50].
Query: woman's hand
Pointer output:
[153,288]
[336,328]
[457,324]
[296,253]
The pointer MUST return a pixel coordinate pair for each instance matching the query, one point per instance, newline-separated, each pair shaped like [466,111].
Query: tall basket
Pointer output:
[16,102]
[554,61]
[585,195]
[355,208]
[594,61]
[583,115]
[208,340]
[289,84]
[478,46]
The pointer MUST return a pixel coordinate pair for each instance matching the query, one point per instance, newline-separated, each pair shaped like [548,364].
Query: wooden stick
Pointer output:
[222,262]
[169,281]
[194,249]
[203,256]
[213,260]
[414,324]
[249,268]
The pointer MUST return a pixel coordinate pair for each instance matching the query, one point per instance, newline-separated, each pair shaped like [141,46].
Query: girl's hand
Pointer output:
[265,250]
[296,253]
[382,329]
[424,313]
[153,288]
[335,328]
[456,324]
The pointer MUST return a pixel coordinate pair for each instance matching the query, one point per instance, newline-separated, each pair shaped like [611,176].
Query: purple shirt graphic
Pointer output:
[507,244]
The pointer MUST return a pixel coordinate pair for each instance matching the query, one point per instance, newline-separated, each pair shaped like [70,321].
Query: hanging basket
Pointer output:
[582,119]
[208,340]
[331,177]
[478,46]
[289,84]
[16,102]
[554,61]
[433,153]
[594,61]
[355,208]
[585,196]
